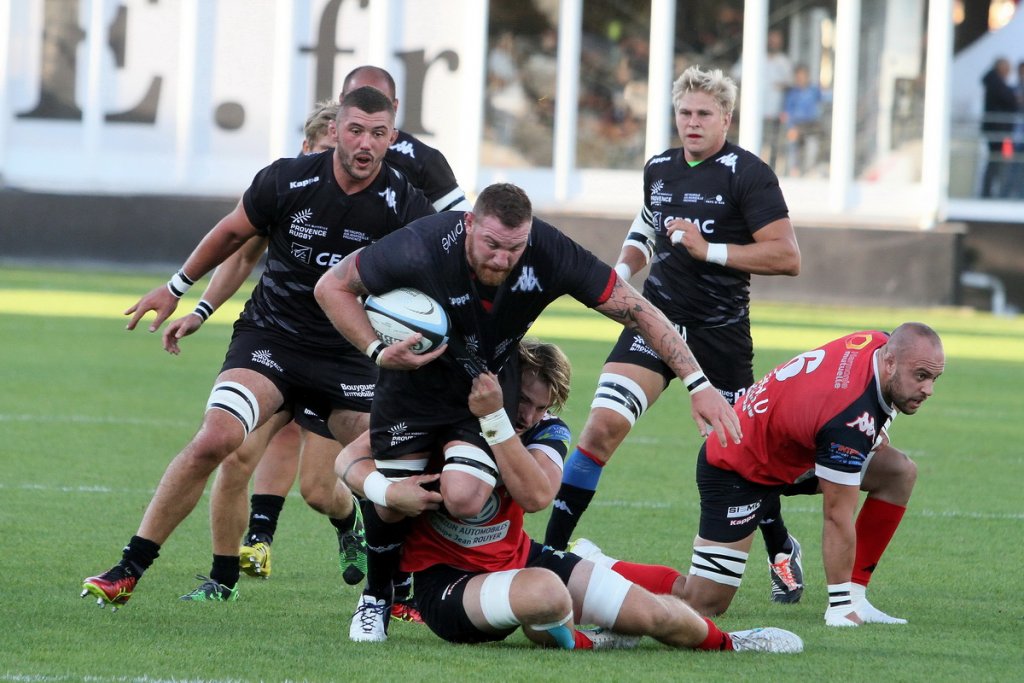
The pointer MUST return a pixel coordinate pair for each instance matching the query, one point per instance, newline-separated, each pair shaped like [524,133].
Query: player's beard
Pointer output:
[357,172]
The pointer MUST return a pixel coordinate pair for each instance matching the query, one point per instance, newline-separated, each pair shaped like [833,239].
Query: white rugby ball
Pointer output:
[397,314]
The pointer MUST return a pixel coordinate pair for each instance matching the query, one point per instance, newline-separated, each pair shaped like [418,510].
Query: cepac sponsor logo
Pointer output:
[404,147]
[297,184]
[728,160]
[328,259]
[527,281]
[706,227]
[865,423]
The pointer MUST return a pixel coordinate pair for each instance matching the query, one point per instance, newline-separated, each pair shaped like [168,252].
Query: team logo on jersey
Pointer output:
[389,198]
[301,217]
[262,356]
[728,160]
[404,147]
[302,252]
[400,433]
[858,341]
[864,423]
[527,281]
[658,197]
[302,229]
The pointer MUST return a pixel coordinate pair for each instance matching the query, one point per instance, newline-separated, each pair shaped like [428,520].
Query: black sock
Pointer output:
[570,504]
[264,509]
[343,525]
[773,529]
[383,551]
[139,555]
[225,570]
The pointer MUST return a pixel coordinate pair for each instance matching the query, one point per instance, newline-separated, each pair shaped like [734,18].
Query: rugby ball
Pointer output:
[402,312]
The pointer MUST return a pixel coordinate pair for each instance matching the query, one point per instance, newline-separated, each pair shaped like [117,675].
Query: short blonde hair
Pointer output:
[319,120]
[713,82]
[551,366]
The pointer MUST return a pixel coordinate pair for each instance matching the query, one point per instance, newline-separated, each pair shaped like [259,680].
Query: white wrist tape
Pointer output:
[179,284]
[375,488]
[717,253]
[203,309]
[696,381]
[373,350]
[623,271]
[496,427]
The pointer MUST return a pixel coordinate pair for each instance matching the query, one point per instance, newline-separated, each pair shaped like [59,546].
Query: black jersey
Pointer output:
[312,225]
[550,435]
[430,256]
[426,169]
[729,196]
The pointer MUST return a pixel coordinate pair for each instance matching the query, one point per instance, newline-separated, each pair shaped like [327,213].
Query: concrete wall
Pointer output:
[847,265]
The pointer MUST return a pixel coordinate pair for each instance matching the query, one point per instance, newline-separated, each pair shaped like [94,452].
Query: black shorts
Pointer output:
[730,506]
[314,383]
[440,589]
[420,413]
[725,353]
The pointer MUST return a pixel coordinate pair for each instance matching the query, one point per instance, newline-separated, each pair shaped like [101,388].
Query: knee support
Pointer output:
[495,602]
[237,400]
[472,461]
[719,564]
[621,394]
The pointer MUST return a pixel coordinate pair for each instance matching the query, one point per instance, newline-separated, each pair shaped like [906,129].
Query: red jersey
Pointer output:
[494,540]
[823,411]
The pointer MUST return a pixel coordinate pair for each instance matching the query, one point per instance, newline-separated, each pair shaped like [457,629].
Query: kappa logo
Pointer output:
[296,184]
[657,160]
[729,160]
[459,300]
[864,423]
[301,217]
[404,147]
[301,252]
[527,281]
[389,198]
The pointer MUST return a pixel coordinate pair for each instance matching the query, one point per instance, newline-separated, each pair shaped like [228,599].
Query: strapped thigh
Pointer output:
[606,591]
[495,602]
[473,461]
[719,564]
[237,400]
[621,394]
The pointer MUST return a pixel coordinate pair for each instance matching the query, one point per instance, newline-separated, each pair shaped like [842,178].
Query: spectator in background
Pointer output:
[1015,183]
[801,121]
[777,78]
[997,126]
[506,99]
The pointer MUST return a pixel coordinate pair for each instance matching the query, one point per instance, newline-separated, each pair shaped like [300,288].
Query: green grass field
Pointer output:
[90,415]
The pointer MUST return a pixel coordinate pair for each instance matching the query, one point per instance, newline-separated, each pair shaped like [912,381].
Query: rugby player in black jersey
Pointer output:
[284,352]
[494,270]
[275,456]
[713,214]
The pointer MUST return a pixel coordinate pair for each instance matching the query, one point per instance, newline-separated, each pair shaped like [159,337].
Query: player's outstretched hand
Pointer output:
[410,497]
[712,412]
[400,356]
[160,300]
[178,329]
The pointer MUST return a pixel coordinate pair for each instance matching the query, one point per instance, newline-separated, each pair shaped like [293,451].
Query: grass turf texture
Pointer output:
[91,415]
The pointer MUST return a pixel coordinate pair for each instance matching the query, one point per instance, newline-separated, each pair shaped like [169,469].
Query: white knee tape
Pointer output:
[621,394]
[718,564]
[494,599]
[604,597]
[236,399]
[472,461]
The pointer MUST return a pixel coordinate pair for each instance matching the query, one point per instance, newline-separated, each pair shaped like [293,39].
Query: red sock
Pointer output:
[717,639]
[875,526]
[654,577]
